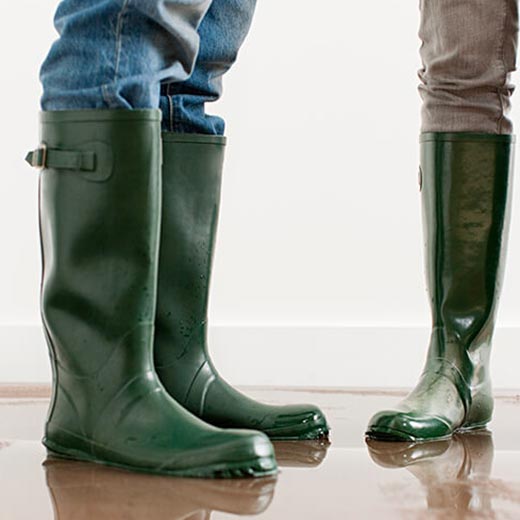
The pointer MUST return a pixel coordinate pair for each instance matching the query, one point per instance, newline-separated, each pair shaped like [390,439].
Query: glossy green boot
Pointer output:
[100,209]
[466,189]
[192,172]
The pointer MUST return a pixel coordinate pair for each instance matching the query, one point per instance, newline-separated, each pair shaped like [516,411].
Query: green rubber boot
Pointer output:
[466,204]
[100,207]
[192,172]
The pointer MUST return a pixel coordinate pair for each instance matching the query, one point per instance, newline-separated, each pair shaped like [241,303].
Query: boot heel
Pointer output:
[66,445]
[469,427]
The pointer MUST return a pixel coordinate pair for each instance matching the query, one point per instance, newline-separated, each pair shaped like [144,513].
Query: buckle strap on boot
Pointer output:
[44,157]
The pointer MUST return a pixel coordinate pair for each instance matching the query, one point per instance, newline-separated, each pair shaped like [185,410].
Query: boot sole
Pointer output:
[257,467]
[319,434]
[306,432]
[392,435]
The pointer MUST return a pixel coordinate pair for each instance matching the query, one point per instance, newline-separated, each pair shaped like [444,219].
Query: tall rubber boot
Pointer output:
[192,173]
[466,193]
[100,195]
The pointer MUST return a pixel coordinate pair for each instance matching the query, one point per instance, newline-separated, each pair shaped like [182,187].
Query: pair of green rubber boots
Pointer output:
[127,220]
[126,267]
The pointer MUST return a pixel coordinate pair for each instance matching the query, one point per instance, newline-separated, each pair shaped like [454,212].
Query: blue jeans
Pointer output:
[133,54]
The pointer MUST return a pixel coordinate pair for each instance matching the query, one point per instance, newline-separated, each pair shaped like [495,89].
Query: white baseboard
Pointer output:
[326,356]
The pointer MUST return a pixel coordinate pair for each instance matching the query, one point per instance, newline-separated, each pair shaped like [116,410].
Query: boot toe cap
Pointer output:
[301,422]
[232,454]
[391,425]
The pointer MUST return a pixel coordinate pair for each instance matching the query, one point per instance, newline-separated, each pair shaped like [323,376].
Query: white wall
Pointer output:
[320,227]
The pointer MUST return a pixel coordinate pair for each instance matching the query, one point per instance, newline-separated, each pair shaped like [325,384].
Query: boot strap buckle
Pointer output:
[39,157]
[56,158]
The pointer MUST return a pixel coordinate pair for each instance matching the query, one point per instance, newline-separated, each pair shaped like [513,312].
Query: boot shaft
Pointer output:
[192,175]
[99,224]
[466,192]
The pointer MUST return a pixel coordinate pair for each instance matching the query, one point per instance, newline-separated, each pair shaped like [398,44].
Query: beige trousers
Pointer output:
[468,52]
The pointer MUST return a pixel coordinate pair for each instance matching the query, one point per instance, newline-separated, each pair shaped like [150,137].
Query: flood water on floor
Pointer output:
[474,475]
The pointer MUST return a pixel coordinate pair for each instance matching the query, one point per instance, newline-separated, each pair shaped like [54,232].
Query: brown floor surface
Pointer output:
[473,476]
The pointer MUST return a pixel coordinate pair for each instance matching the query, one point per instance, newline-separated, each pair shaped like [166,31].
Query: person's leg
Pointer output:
[468,50]
[222,33]
[192,174]
[114,53]
[100,212]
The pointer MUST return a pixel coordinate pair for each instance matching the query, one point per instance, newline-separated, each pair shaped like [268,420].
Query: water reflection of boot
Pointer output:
[83,491]
[455,474]
[301,454]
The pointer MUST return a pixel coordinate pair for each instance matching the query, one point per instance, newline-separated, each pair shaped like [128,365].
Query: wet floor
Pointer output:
[473,476]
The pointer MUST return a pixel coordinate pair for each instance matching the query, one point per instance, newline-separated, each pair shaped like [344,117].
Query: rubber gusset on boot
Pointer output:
[100,211]
[466,190]
[192,172]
